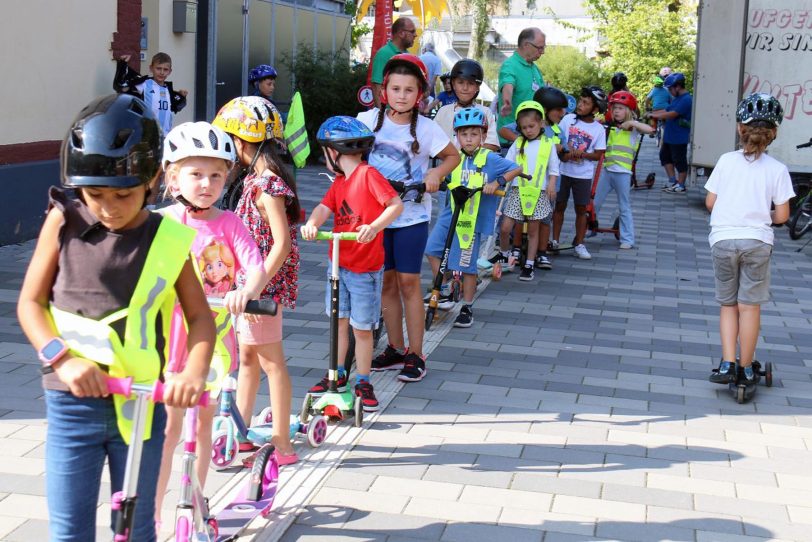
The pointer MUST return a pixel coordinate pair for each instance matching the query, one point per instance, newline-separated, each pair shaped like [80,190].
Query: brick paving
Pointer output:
[575,408]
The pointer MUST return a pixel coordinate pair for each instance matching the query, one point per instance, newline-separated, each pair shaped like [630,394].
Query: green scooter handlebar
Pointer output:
[328,236]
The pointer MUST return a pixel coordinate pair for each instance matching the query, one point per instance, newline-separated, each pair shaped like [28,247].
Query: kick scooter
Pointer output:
[333,404]
[743,391]
[460,195]
[123,502]
[229,422]
[591,218]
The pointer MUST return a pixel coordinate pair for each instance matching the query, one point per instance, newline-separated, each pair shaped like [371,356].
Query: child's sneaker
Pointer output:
[465,318]
[388,360]
[554,245]
[414,368]
[543,262]
[365,391]
[678,189]
[324,385]
[527,272]
[724,374]
[582,253]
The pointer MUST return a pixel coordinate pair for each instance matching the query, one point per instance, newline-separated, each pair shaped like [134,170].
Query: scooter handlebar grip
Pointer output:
[262,306]
[328,236]
[158,395]
[120,386]
[500,193]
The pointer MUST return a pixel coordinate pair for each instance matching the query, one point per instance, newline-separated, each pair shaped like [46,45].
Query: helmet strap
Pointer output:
[189,205]
[335,163]
[256,155]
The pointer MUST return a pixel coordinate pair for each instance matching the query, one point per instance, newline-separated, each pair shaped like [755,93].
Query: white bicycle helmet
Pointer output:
[197,139]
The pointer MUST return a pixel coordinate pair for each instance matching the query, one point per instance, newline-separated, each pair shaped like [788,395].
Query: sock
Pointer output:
[342,373]
[398,350]
[505,253]
[361,378]
[469,306]
[528,263]
[672,180]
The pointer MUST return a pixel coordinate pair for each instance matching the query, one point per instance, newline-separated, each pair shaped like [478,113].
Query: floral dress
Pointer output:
[283,287]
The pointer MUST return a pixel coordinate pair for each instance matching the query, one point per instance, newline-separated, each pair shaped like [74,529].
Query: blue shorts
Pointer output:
[458,260]
[403,247]
[359,297]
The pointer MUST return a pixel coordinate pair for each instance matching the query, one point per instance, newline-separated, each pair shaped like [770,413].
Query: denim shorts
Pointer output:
[403,247]
[359,297]
[742,271]
[458,260]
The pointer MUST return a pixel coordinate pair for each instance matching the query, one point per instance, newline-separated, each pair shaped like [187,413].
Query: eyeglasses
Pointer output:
[540,49]
[413,32]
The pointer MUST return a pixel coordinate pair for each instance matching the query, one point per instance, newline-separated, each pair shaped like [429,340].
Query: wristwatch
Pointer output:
[51,353]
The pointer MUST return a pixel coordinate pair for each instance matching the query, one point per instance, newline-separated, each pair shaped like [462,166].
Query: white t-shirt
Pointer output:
[744,191]
[158,100]
[531,150]
[392,156]
[445,118]
[586,136]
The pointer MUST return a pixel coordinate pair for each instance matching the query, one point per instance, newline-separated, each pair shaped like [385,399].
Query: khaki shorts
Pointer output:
[742,271]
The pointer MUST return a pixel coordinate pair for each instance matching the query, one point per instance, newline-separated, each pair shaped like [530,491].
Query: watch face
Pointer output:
[52,349]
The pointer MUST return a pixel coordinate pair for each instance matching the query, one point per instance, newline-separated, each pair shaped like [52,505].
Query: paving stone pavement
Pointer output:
[575,408]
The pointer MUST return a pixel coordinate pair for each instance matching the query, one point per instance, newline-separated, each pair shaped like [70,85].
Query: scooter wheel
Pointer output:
[359,412]
[213,528]
[496,271]
[222,456]
[429,318]
[455,290]
[740,394]
[304,415]
[768,374]
[650,179]
[616,227]
[255,483]
[265,416]
[183,530]
[316,431]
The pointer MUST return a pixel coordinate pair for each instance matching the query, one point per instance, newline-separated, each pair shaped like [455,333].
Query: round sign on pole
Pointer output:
[365,96]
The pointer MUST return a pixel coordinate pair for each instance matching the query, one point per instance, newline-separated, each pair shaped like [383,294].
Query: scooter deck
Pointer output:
[235,517]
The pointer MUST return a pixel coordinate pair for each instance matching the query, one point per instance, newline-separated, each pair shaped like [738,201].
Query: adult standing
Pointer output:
[519,77]
[433,66]
[676,133]
[403,34]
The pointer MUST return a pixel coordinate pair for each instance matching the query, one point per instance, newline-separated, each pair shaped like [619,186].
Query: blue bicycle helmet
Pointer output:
[261,72]
[470,116]
[674,79]
[760,107]
[345,134]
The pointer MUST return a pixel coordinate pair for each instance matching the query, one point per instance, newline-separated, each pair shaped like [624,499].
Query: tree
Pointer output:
[642,36]
[480,12]
[565,67]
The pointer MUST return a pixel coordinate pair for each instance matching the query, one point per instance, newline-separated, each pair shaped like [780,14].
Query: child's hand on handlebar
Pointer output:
[309,232]
[366,233]
[183,390]
[235,300]
[82,376]
[490,188]
[432,180]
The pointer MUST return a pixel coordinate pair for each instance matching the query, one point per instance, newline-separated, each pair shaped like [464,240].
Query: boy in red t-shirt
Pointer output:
[363,202]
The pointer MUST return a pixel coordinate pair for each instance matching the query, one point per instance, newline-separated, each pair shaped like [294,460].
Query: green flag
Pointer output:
[295,133]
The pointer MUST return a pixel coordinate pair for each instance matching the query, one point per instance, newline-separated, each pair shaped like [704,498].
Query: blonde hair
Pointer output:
[172,170]
[629,114]
[754,140]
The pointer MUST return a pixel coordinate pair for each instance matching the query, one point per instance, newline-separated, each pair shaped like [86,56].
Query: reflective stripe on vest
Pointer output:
[295,133]
[466,222]
[619,149]
[137,356]
[530,191]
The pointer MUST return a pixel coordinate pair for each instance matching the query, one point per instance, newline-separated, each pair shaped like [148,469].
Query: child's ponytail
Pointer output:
[755,139]
[381,114]
[521,146]
[413,131]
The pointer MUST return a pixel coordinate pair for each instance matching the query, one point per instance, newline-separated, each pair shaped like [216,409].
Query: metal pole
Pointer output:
[245,45]
[211,52]
[271,33]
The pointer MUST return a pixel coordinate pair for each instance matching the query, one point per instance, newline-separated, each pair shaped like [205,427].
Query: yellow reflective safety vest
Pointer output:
[295,132]
[466,223]
[619,149]
[137,356]
[530,191]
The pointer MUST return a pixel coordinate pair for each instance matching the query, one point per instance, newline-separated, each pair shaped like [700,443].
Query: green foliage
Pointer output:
[642,36]
[567,68]
[357,29]
[328,84]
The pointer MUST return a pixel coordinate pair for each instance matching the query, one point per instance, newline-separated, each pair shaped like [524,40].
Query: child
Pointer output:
[741,189]
[373,205]
[529,200]
[404,143]
[97,300]
[478,168]
[197,158]
[466,78]
[586,142]
[269,208]
[446,96]
[624,135]
[555,105]
[155,90]
[657,99]
[263,78]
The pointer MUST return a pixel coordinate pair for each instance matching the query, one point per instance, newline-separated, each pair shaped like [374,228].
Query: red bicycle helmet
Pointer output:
[414,65]
[623,97]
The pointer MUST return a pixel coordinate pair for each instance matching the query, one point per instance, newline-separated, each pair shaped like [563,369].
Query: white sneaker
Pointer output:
[582,253]
[626,246]
[554,244]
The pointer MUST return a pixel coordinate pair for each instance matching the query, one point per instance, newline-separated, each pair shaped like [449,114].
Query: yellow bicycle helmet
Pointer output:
[251,118]
[529,104]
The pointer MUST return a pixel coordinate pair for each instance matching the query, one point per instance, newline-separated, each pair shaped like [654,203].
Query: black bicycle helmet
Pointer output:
[468,69]
[760,107]
[115,141]
[551,98]
[598,96]
[619,81]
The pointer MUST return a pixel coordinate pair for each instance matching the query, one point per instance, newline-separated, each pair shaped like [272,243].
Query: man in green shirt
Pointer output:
[403,34]
[519,77]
